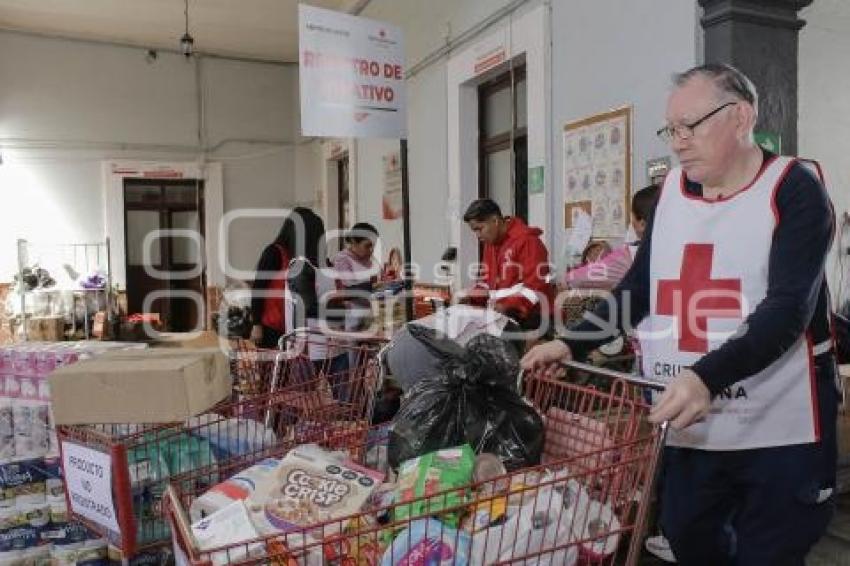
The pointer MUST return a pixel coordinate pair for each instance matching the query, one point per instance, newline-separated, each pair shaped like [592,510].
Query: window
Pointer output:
[503,142]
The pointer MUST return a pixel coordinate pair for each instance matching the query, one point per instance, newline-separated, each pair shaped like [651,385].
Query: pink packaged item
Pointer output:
[45,362]
[8,386]
[6,361]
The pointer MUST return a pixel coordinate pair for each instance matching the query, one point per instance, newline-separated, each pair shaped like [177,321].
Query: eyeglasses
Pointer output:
[686,131]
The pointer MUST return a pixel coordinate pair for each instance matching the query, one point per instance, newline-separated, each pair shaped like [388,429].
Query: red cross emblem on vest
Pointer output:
[695,297]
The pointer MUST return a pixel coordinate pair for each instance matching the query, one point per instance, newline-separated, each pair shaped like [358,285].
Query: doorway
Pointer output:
[343,202]
[503,142]
[166,268]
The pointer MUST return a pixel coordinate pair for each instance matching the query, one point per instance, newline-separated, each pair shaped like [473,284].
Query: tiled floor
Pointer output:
[832,550]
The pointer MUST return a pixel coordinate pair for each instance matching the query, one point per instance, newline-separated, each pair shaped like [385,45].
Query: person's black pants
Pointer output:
[270,338]
[527,329]
[766,506]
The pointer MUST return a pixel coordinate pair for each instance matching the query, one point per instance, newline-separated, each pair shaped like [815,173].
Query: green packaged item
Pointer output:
[446,472]
[155,462]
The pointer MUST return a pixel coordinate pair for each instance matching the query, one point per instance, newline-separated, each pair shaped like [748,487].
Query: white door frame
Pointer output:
[332,151]
[524,36]
[114,174]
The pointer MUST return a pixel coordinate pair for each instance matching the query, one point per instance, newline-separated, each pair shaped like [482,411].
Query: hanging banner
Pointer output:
[351,76]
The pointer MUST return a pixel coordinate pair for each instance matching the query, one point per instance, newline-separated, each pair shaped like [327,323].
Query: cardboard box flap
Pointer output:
[139,387]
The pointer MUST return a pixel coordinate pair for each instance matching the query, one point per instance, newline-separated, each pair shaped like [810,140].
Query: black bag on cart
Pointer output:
[473,398]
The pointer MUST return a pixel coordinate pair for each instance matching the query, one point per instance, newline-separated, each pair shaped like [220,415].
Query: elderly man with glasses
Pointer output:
[729,290]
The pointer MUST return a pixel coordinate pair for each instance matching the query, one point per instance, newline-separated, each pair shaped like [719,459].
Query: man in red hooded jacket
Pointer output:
[515,277]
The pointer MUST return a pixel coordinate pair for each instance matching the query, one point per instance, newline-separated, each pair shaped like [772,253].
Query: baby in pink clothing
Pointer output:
[603,268]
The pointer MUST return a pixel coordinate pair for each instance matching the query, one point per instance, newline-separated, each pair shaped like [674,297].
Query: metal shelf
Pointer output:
[77,252]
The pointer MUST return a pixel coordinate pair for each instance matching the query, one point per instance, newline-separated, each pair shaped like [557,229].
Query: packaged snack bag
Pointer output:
[434,473]
[359,545]
[428,542]
[485,513]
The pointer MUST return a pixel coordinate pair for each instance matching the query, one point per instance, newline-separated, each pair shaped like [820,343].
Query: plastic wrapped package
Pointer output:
[10,519]
[92,552]
[7,429]
[150,465]
[30,420]
[22,483]
[232,437]
[66,534]
[237,488]
[360,544]
[230,525]
[37,556]
[428,542]
[473,399]
[537,528]
[448,470]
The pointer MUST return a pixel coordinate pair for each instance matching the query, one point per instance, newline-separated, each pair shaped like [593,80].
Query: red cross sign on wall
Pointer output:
[695,297]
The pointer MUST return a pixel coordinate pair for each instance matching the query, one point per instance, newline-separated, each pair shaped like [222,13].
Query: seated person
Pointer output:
[514,281]
[356,274]
[602,269]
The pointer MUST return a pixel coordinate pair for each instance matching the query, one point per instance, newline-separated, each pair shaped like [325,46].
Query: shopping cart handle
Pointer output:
[356,336]
[613,374]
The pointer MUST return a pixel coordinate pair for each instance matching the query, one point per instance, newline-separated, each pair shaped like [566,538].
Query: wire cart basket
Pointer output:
[300,401]
[586,503]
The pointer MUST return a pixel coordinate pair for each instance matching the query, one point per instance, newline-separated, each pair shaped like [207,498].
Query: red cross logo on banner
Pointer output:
[695,297]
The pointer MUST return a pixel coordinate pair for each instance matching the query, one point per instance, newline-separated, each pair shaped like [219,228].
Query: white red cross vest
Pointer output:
[708,272]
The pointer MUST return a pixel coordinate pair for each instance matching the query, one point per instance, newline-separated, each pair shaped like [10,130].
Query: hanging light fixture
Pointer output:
[187,42]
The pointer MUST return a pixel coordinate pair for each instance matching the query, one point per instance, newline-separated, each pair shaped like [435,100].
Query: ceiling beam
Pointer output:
[130,45]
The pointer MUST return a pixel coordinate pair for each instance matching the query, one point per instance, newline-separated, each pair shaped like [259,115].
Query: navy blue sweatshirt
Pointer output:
[797,298]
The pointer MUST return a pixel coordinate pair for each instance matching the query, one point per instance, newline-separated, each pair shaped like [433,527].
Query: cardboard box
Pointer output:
[40,328]
[193,340]
[144,386]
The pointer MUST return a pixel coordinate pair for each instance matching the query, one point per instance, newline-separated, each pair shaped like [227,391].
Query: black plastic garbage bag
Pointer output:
[473,398]
[238,323]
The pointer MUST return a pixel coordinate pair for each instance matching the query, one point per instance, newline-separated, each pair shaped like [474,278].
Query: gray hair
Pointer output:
[726,78]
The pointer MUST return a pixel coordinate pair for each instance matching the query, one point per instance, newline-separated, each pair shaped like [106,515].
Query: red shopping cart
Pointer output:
[584,504]
[292,399]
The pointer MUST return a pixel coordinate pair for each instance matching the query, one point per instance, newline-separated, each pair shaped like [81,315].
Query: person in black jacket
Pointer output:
[267,297]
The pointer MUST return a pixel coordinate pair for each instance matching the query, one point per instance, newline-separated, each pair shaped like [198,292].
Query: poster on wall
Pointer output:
[351,76]
[392,201]
[597,171]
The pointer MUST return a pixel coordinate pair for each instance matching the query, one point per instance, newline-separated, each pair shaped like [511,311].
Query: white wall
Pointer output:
[601,58]
[607,54]
[426,25]
[521,38]
[66,106]
[824,114]
[370,180]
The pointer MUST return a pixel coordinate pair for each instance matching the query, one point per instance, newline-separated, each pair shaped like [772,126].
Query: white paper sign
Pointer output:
[88,479]
[351,74]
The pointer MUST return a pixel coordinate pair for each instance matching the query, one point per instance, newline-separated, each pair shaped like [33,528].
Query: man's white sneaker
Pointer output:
[658,546]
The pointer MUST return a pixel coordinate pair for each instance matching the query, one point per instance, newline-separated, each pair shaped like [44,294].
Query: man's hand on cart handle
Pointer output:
[685,401]
[551,354]
[256,334]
